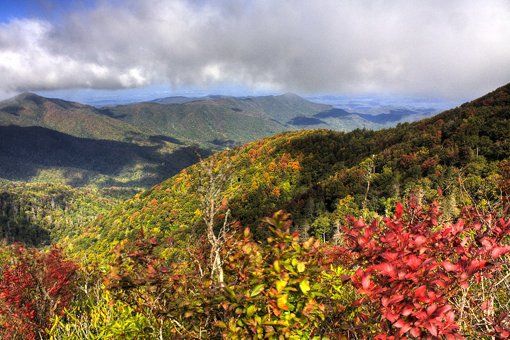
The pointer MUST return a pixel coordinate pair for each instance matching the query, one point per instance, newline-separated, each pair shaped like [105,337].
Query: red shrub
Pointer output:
[410,266]
[34,287]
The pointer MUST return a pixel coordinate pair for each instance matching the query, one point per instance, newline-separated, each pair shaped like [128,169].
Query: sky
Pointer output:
[456,49]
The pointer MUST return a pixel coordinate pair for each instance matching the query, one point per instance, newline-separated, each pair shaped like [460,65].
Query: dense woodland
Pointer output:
[397,233]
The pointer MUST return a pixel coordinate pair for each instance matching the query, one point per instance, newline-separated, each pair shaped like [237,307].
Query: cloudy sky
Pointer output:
[450,49]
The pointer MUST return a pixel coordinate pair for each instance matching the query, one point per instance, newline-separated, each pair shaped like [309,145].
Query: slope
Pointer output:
[28,109]
[320,176]
[218,119]
[39,213]
[199,121]
[53,140]
[40,154]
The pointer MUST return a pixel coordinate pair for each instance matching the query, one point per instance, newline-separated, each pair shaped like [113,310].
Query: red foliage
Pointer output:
[34,287]
[411,266]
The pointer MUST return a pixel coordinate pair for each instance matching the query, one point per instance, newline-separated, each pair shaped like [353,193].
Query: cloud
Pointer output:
[457,48]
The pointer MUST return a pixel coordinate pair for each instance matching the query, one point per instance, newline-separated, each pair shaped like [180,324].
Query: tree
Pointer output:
[215,179]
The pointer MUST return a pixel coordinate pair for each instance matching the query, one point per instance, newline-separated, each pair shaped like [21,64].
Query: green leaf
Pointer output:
[304,286]
[276,266]
[301,267]
[251,310]
[257,290]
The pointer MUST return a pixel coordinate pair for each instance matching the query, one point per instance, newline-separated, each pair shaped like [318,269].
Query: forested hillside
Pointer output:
[459,157]
[41,213]
[71,118]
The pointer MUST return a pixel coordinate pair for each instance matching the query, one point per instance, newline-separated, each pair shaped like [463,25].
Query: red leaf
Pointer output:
[504,334]
[415,331]
[450,267]
[486,305]
[419,240]
[399,209]
[407,310]
[365,281]
[385,268]
[390,316]
[499,251]
[475,265]
[390,256]
[403,325]
[414,262]
[432,329]
[440,283]
[431,309]
[420,291]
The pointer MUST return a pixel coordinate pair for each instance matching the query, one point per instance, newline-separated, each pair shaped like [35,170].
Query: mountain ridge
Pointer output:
[321,175]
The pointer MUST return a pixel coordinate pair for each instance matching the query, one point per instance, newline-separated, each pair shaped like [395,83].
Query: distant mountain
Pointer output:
[242,119]
[212,121]
[28,109]
[216,118]
[289,110]
[53,140]
[177,100]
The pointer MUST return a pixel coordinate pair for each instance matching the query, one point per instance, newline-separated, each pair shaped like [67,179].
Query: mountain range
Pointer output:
[138,145]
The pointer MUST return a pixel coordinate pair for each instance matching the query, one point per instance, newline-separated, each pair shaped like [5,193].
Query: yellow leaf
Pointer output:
[251,310]
[281,302]
[280,285]
[304,286]
[276,266]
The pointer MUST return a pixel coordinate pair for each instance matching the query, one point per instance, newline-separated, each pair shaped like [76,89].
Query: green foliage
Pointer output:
[278,291]
[39,213]
[274,288]
[99,316]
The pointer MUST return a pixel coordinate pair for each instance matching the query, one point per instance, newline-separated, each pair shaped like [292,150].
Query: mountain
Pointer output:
[214,119]
[35,153]
[461,155]
[28,109]
[223,120]
[53,140]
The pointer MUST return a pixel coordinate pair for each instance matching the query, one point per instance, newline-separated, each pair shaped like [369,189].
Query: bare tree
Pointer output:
[214,182]
[368,165]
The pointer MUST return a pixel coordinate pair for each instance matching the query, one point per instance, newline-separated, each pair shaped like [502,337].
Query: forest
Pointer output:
[401,233]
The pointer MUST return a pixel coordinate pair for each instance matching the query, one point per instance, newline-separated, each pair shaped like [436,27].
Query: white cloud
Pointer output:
[458,48]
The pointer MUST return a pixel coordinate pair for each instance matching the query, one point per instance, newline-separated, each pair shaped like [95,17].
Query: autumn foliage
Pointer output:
[414,269]
[35,286]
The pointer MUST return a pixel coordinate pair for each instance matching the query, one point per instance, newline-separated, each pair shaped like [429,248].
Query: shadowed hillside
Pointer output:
[27,153]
